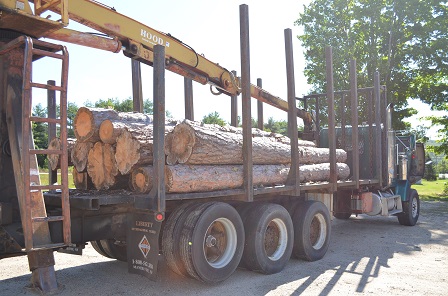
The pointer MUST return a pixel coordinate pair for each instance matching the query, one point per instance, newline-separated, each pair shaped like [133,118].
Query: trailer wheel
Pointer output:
[212,241]
[411,210]
[115,249]
[170,237]
[269,238]
[99,248]
[312,231]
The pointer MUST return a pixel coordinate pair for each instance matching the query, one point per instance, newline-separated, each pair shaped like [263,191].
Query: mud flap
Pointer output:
[143,244]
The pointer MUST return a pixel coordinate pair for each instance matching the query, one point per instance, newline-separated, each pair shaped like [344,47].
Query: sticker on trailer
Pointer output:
[143,244]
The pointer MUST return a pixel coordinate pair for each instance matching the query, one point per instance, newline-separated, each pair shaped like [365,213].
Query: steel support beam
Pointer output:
[293,178]
[234,107]
[137,92]
[355,124]
[188,91]
[51,105]
[331,117]
[260,120]
[246,103]
[378,142]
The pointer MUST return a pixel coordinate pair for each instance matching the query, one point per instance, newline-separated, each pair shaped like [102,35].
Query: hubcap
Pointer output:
[276,239]
[414,207]
[220,242]
[318,231]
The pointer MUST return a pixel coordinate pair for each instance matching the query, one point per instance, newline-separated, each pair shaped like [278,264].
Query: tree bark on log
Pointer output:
[135,146]
[110,129]
[193,143]
[82,181]
[79,155]
[54,159]
[101,165]
[203,178]
[88,120]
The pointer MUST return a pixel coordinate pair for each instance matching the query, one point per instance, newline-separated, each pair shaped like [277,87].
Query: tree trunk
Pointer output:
[101,165]
[82,180]
[80,154]
[202,178]
[88,120]
[135,146]
[110,129]
[54,159]
[192,143]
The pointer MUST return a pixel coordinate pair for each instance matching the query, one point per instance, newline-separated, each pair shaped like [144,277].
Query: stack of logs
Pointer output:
[114,150]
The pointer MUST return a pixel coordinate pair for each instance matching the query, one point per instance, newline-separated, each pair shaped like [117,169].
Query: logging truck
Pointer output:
[206,199]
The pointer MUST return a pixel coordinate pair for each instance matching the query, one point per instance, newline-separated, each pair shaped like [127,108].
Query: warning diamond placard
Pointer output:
[144,246]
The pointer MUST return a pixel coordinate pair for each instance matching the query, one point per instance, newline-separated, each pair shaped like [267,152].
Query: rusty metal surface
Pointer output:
[51,106]
[246,103]
[188,93]
[354,122]
[137,92]
[294,174]
[234,107]
[260,120]
[331,117]
[378,142]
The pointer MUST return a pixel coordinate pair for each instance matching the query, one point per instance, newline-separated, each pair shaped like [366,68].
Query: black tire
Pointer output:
[269,238]
[116,249]
[171,235]
[411,210]
[212,242]
[312,230]
[342,216]
[99,248]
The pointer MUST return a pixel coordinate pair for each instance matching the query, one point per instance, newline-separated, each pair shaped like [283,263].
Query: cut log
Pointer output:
[54,159]
[135,146]
[101,165]
[193,143]
[110,129]
[79,155]
[203,178]
[82,180]
[88,120]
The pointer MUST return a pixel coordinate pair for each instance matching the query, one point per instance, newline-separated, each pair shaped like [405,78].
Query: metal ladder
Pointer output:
[36,222]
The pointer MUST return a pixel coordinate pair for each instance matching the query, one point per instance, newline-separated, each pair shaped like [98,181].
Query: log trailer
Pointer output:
[204,235]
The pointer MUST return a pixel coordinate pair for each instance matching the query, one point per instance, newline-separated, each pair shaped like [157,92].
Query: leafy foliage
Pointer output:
[40,133]
[430,172]
[405,40]
[213,118]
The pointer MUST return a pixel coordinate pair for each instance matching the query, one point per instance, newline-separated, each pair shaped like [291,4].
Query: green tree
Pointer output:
[40,133]
[405,40]
[279,127]
[213,118]
[72,108]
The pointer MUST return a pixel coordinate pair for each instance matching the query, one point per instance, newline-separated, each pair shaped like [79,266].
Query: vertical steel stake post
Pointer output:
[51,105]
[246,103]
[293,178]
[355,124]
[158,191]
[378,142]
[137,92]
[260,120]
[331,117]
[188,92]
[234,108]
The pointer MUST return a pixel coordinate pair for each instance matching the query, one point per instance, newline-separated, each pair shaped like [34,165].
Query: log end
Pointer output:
[53,159]
[84,124]
[179,144]
[106,132]
[127,152]
[141,180]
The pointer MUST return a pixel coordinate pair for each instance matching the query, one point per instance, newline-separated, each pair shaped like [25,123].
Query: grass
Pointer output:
[431,190]
[44,178]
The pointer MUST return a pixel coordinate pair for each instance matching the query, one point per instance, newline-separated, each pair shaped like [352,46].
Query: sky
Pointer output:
[212,29]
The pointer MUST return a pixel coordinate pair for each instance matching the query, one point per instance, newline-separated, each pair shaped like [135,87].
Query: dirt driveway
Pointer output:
[367,256]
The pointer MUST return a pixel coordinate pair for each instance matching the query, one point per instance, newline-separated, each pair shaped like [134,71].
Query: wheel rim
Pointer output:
[414,207]
[318,231]
[276,239]
[220,242]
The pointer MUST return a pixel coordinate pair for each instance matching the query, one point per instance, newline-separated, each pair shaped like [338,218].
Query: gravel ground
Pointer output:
[367,255]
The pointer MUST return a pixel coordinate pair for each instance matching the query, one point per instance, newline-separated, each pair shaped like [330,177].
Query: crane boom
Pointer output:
[137,41]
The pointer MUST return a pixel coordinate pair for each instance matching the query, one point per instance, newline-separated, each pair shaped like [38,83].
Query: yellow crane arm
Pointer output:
[137,40]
